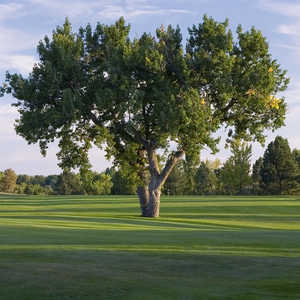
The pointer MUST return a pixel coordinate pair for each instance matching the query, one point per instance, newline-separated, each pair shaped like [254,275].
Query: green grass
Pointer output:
[221,247]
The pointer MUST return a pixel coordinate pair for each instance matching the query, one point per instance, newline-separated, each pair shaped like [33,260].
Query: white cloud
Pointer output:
[282,7]
[10,10]
[12,44]
[20,63]
[12,40]
[290,10]
[7,111]
[113,11]
[67,8]
[291,29]
[105,9]
[292,94]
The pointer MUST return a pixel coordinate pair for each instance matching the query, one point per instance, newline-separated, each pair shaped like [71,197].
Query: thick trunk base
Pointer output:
[149,202]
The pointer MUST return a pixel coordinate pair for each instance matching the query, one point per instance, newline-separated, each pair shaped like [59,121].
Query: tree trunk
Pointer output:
[149,200]
[154,204]
[149,195]
[143,194]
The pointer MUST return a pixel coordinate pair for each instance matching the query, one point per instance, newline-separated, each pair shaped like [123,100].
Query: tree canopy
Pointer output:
[138,96]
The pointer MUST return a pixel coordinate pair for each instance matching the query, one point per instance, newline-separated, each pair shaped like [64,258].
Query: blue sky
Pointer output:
[23,23]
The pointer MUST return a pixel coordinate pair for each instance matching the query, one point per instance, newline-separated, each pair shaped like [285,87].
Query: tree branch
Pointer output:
[170,164]
[224,111]
[153,163]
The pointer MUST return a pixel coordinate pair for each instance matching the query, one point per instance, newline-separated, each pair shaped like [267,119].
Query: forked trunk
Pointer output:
[149,194]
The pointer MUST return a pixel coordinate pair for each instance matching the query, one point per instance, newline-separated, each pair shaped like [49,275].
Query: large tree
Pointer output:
[138,96]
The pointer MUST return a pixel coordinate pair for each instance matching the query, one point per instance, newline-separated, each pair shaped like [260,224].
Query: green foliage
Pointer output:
[207,182]
[94,183]
[256,176]
[69,184]
[235,174]
[296,156]
[1,176]
[279,169]
[34,189]
[123,184]
[23,178]
[51,181]
[177,182]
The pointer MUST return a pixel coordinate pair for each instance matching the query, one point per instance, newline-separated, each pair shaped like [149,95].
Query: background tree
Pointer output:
[1,176]
[137,96]
[52,181]
[23,178]
[69,184]
[256,177]
[38,180]
[8,181]
[207,182]
[94,183]
[122,183]
[279,169]
[296,156]
[33,189]
[235,174]
[177,181]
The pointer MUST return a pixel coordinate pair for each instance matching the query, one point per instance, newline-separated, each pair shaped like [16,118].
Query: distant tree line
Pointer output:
[277,172]
[66,183]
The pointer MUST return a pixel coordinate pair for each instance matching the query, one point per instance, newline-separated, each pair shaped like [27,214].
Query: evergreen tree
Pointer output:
[206,178]
[279,169]
[235,174]
[256,177]
[177,183]
[296,156]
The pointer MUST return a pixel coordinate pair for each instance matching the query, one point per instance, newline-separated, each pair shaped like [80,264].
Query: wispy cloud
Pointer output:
[286,8]
[67,7]
[12,44]
[290,12]
[10,10]
[115,11]
[19,63]
[12,40]
[105,9]
[290,29]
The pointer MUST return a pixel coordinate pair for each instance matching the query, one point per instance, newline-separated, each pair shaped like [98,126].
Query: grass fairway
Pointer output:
[99,248]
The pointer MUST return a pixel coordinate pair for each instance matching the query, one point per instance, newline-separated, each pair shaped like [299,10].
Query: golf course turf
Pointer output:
[98,247]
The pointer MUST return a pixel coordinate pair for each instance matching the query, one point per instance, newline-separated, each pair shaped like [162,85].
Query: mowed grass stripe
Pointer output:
[217,247]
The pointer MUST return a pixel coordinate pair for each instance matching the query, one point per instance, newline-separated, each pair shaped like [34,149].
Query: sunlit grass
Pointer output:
[76,247]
